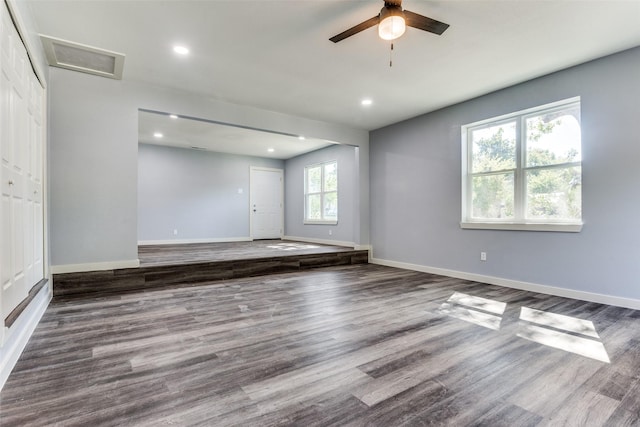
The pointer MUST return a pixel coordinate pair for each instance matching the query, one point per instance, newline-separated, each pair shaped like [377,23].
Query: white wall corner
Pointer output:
[17,336]
[515,284]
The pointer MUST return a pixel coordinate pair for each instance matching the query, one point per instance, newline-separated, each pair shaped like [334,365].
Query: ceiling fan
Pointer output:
[392,22]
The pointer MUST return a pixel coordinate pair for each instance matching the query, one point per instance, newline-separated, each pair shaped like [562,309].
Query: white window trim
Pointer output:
[523,226]
[487,224]
[320,222]
[322,192]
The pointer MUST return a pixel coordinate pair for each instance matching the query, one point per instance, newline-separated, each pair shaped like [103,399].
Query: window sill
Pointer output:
[320,222]
[562,228]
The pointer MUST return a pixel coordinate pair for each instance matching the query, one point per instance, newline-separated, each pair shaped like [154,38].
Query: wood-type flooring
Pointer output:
[163,255]
[357,345]
[164,266]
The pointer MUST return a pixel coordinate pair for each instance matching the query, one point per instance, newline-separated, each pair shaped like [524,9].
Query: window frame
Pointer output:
[322,193]
[518,222]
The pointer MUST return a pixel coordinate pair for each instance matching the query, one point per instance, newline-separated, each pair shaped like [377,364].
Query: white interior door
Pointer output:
[13,165]
[21,227]
[34,235]
[267,203]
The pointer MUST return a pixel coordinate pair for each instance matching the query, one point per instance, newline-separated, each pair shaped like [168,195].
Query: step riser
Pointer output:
[109,282]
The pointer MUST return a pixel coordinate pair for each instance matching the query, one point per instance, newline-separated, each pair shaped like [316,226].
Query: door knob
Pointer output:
[10,182]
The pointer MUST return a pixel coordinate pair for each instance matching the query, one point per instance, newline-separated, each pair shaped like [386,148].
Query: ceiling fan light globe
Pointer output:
[391,27]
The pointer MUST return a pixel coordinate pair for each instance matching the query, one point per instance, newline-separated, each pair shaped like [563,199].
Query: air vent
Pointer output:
[82,58]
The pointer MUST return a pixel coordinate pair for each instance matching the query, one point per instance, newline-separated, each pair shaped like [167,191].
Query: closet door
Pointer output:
[35,255]
[18,172]
[6,232]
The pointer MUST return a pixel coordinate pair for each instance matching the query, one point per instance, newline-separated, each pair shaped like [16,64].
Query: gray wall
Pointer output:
[415,183]
[93,169]
[346,229]
[93,158]
[194,192]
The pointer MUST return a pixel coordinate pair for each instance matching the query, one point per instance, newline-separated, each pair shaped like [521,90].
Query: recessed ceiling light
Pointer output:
[180,50]
[301,138]
[271,150]
[158,135]
[173,116]
[366,101]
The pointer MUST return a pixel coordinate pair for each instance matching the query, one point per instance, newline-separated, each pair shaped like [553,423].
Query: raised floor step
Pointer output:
[157,271]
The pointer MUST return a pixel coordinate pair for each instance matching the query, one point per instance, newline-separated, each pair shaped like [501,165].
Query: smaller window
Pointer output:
[321,193]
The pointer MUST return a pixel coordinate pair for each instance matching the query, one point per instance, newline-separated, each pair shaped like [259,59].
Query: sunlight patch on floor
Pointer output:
[566,333]
[480,311]
[292,246]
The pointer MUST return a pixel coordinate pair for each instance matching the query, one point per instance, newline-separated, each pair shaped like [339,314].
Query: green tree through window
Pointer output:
[525,167]
[321,193]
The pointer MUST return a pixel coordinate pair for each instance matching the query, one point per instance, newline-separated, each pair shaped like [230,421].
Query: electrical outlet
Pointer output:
[175,231]
[483,256]
[330,232]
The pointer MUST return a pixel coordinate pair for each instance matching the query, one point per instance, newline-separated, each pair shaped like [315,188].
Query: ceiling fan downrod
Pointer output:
[391,56]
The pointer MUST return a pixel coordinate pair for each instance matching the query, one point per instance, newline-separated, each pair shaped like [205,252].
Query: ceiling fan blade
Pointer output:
[354,30]
[424,23]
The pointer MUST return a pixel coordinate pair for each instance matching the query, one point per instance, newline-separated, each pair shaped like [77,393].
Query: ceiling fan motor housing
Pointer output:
[390,9]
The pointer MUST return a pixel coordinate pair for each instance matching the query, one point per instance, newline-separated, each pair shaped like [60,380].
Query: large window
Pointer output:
[321,193]
[523,171]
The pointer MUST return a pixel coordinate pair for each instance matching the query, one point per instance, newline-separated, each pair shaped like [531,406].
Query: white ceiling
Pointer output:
[195,133]
[275,54]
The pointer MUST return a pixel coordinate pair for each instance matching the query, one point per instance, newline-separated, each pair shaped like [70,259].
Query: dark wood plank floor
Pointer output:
[170,266]
[162,255]
[354,345]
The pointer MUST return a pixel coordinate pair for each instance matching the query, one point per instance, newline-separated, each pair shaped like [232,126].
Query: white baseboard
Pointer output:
[18,335]
[515,284]
[187,241]
[320,241]
[94,266]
